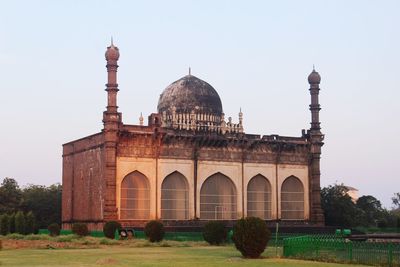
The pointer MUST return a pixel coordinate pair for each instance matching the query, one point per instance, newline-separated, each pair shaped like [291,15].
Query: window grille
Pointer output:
[259,197]
[175,197]
[135,197]
[292,199]
[218,199]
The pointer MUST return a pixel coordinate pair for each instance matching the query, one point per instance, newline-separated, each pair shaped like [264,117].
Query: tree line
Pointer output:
[38,203]
[367,211]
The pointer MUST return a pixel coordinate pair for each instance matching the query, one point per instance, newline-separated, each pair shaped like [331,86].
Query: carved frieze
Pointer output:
[212,148]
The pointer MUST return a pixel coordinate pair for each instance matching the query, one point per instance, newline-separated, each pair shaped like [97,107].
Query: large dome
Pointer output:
[190,94]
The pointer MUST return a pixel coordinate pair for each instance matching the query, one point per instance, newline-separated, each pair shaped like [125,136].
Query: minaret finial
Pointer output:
[141,119]
[190,71]
[112,42]
[313,67]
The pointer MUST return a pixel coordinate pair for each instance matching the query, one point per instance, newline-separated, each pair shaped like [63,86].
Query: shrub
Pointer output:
[110,228]
[37,237]
[215,232]
[30,223]
[15,236]
[4,224]
[154,231]
[106,241]
[251,236]
[66,238]
[54,229]
[80,229]
[20,223]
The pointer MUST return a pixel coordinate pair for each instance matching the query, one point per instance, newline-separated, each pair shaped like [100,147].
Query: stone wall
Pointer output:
[83,182]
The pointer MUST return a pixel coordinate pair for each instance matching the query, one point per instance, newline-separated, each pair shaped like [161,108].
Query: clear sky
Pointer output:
[256,54]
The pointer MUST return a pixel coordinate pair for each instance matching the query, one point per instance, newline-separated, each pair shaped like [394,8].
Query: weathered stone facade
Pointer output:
[125,172]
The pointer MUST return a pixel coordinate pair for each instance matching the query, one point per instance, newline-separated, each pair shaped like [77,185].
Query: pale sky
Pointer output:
[256,54]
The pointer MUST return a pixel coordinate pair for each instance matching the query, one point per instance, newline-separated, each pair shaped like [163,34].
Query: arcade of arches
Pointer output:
[218,198]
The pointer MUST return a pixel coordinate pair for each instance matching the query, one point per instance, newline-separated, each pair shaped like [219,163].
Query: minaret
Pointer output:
[315,139]
[112,121]
[240,121]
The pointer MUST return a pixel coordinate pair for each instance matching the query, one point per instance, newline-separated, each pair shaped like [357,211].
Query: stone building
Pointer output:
[190,164]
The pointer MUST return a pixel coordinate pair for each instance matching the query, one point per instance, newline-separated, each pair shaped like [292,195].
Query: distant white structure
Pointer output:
[352,192]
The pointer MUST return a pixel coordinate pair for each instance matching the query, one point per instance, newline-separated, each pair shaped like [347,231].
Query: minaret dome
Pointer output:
[112,53]
[314,77]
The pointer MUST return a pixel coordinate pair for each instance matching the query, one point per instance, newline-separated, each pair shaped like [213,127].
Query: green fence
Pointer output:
[279,240]
[374,230]
[336,249]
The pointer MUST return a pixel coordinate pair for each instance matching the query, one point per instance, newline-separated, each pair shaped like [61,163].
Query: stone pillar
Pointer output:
[316,142]
[111,121]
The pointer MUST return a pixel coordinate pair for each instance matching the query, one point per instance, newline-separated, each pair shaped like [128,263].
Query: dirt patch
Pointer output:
[42,244]
[106,261]
[235,259]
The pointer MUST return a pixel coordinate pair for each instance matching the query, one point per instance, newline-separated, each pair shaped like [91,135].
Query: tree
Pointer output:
[44,202]
[371,211]
[10,196]
[30,223]
[12,223]
[4,224]
[20,223]
[339,209]
[396,201]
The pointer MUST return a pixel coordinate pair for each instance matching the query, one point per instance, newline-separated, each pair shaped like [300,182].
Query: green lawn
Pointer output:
[145,256]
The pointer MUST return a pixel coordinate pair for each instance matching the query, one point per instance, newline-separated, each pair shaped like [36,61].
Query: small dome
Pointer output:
[190,94]
[314,77]
[112,53]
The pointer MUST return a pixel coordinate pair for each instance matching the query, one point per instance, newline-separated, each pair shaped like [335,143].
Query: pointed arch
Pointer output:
[259,197]
[218,198]
[292,199]
[175,197]
[135,197]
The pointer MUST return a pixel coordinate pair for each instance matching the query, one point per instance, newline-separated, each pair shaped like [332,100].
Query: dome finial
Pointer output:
[112,42]
[190,71]
[313,67]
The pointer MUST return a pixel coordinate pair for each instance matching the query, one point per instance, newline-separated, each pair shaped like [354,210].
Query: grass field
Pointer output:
[138,255]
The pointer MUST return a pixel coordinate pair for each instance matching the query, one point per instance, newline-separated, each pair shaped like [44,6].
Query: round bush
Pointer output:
[215,232]
[154,231]
[54,229]
[80,229]
[251,236]
[109,229]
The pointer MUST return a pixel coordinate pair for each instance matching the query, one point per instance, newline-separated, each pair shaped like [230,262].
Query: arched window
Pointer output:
[218,198]
[259,197]
[174,197]
[135,197]
[292,199]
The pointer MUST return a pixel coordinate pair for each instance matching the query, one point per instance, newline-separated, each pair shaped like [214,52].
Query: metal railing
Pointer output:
[337,249]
